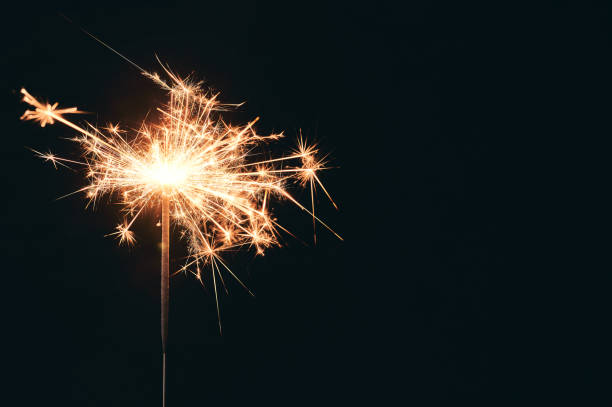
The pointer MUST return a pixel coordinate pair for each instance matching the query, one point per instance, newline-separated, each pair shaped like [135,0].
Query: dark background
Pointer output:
[402,98]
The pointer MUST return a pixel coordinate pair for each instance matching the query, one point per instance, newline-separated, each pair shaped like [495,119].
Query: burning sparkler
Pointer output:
[204,172]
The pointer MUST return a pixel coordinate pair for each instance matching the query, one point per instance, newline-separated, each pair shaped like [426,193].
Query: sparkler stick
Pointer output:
[206,173]
[165,285]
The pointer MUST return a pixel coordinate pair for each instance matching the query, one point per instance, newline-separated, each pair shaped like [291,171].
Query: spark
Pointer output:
[124,234]
[44,113]
[213,174]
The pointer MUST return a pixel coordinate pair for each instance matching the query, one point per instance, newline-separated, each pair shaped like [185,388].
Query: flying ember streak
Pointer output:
[217,185]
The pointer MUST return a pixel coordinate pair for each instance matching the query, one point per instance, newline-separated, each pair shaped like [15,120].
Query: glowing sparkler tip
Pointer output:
[217,191]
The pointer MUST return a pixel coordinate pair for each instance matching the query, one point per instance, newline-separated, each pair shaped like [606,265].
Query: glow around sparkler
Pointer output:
[218,179]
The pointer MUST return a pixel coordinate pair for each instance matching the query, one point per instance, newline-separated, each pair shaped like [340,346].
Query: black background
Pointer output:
[398,313]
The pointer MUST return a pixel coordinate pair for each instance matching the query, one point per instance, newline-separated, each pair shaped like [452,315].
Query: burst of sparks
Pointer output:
[219,187]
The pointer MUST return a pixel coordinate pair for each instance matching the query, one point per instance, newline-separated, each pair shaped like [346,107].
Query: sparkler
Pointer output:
[206,175]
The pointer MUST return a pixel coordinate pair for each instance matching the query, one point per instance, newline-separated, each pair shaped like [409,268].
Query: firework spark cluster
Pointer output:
[219,178]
